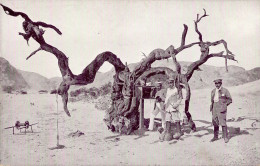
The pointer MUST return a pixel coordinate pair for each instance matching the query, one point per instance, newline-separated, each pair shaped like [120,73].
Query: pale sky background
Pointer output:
[128,28]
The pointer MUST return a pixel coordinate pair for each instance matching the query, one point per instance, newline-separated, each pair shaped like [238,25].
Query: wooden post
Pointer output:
[141,114]
[13,130]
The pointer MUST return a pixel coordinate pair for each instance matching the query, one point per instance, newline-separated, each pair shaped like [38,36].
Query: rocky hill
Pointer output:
[36,81]
[19,79]
[200,79]
[11,77]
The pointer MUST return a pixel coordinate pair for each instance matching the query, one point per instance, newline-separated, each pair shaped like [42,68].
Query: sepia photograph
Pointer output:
[129,82]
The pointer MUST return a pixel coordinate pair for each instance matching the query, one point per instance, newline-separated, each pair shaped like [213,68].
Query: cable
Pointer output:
[58,137]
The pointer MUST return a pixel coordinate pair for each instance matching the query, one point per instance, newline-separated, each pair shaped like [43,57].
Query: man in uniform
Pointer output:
[172,102]
[220,99]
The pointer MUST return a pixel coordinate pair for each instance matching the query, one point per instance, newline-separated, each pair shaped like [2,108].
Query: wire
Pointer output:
[58,137]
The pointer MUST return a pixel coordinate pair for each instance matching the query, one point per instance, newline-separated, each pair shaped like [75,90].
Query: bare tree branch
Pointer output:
[220,54]
[10,12]
[195,65]
[43,24]
[34,52]
[225,45]
[88,74]
[196,24]
[184,33]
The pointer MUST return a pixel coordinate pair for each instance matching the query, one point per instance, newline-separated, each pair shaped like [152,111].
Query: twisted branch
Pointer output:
[88,74]
[196,24]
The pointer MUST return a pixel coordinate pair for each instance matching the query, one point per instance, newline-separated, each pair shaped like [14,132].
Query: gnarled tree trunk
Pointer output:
[125,96]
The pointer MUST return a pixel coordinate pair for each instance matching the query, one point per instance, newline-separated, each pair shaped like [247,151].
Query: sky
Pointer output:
[128,28]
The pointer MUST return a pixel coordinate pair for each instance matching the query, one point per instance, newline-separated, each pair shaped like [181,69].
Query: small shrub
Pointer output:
[8,89]
[54,91]
[43,91]
[23,92]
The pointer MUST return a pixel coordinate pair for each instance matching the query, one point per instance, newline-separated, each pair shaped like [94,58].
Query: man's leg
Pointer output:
[166,134]
[216,129]
[163,120]
[177,125]
[152,116]
[223,123]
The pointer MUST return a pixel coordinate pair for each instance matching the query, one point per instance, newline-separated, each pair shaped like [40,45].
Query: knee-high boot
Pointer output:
[166,134]
[177,132]
[225,134]
[216,131]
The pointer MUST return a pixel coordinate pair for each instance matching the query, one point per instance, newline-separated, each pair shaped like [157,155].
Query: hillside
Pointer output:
[36,81]
[19,79]
[200,79]
[10,76]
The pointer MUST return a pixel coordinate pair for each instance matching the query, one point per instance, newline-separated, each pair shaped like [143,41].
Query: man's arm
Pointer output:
[177,103]
[212,101]
[228,98]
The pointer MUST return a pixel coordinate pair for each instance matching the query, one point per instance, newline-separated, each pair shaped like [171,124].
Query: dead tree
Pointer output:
[125,97]
[87,76]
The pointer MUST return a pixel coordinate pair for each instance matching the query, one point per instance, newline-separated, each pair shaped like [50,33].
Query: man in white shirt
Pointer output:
[220,99]
[172,102]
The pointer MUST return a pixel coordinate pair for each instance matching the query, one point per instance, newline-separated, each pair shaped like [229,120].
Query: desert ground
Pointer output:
[98,146]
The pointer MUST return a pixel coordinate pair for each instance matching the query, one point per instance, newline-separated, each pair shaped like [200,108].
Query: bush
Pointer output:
[43,91]
[54,91]
[93,92]
[8,89]
[23,92]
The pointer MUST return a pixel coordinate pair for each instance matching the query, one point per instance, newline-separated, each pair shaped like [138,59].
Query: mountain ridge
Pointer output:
[201,79]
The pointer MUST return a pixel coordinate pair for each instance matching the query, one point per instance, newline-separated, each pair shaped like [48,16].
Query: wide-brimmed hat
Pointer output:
[218,81]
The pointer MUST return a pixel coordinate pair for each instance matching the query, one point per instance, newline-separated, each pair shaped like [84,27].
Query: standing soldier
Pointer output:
[172,102]
[220,99]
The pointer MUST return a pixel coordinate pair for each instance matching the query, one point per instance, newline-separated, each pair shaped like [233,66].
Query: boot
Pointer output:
[225,134]
[166,134]
[177,132]
[216,130]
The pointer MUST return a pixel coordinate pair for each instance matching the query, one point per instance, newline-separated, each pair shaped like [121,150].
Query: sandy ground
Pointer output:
[101,147]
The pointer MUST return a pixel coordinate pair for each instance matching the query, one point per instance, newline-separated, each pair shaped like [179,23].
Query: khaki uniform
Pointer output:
[219,107]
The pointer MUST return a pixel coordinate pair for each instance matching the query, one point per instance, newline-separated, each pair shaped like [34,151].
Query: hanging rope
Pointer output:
[58,137]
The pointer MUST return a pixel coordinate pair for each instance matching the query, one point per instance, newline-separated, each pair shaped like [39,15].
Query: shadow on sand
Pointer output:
[232,131]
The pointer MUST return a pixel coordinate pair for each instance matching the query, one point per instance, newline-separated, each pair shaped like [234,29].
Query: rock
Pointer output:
[76,134]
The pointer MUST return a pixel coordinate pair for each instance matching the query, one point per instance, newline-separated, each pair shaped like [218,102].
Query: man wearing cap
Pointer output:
[220,99]
[158,106]
[172,102]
